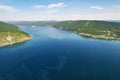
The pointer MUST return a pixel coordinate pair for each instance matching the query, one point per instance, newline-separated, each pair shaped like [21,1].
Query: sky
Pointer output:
[37,10]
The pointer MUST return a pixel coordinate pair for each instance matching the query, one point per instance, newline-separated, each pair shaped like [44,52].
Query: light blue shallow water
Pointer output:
[54,54]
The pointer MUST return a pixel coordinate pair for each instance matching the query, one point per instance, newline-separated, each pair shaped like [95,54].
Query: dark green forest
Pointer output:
[90,27]
[4,27]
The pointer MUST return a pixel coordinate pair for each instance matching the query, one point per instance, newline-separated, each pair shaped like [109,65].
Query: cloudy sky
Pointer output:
[34,10]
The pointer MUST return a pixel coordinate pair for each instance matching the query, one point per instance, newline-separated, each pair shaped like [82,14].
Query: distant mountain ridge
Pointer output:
[113,20]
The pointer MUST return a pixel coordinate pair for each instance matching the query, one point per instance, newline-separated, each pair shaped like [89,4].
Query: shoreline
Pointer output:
[7,44]
[103,37]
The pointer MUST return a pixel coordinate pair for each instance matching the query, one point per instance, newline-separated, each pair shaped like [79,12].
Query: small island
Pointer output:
[11,34]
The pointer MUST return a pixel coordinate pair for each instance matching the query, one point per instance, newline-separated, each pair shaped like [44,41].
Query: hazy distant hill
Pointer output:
[32,23]
[113,20]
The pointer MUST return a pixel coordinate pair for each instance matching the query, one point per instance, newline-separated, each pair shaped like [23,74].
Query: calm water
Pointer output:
[54,54]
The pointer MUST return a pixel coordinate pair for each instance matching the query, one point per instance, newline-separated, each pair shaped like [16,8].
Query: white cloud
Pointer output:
[116,6]
[50,6]
[97,7]
[58,5]
[38,16]
[7,8]
[103,16]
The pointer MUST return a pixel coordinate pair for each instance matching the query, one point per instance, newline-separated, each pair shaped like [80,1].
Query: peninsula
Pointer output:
[11,34]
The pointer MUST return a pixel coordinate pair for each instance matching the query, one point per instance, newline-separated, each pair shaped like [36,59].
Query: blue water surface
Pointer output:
[54,54]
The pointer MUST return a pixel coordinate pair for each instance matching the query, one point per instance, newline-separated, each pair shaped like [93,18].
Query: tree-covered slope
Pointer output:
[10,34]
[95,29]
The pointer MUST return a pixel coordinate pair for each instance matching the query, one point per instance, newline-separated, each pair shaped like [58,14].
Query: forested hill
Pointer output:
[88,28]
[10,34]
[94,29]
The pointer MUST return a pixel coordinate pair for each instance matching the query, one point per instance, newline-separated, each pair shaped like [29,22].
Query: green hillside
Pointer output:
[10,34]
[94,29]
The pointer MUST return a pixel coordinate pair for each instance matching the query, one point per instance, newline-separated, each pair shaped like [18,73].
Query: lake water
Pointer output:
[54,54]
